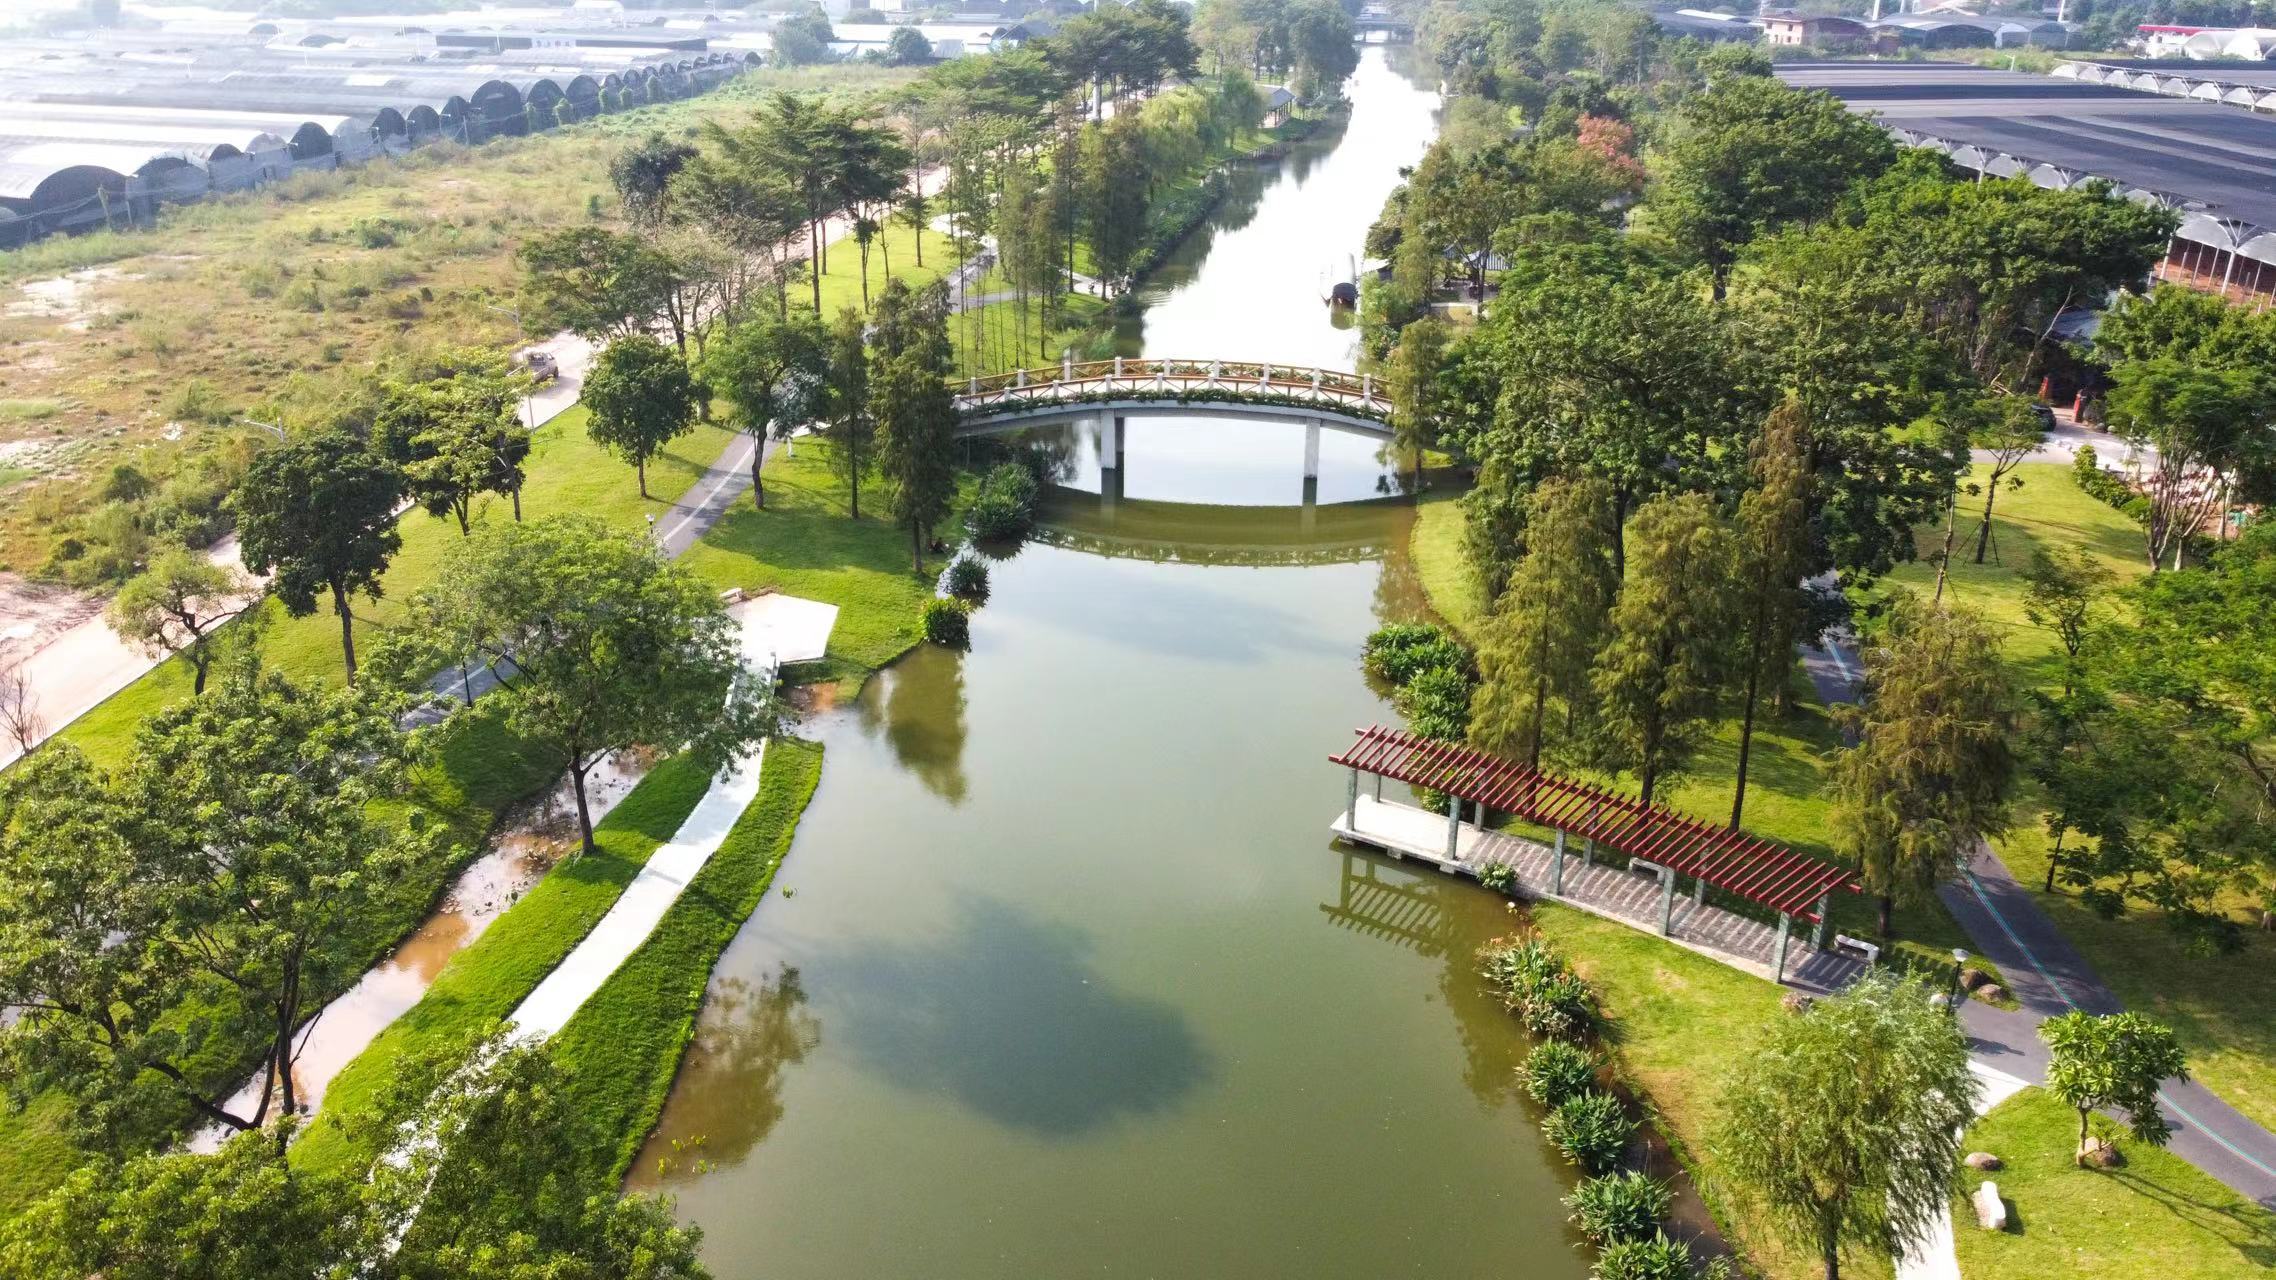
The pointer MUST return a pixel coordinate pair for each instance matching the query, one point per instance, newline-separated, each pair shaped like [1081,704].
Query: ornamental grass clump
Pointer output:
[1431,675]
[1590,1130]
[1655,1258]
[1619,1207]
[1400,651]
[948,623]
[1004,506]
[968,578]
[1539,987]
[1557,1070]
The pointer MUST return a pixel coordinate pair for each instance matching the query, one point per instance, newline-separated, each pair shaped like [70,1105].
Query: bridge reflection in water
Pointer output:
[1208,533]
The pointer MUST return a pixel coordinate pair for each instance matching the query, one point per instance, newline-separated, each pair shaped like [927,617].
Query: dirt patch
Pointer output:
[66,299]
[33,613]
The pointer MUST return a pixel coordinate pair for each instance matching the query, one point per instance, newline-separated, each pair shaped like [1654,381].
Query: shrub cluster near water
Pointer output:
[1621,1211]
[1004,507]
[1431,674]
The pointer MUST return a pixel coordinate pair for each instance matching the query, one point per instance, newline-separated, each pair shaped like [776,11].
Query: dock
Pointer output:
[1637,899]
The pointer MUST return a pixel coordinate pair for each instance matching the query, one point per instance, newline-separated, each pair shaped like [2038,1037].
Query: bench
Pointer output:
[1859,947]
[1643,868]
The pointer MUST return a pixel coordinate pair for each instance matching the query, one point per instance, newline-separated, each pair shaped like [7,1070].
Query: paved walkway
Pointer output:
[2049,977]
[1635,900]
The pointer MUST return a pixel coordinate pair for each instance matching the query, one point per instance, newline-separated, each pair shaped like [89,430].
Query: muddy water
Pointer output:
[528,845]
[1065,975]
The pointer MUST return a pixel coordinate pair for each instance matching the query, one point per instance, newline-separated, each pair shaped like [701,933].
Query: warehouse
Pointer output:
[94,133]
[2213,164]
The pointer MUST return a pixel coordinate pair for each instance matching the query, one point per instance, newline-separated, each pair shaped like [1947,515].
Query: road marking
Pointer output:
[2219,1141]
[726,478]
[2028,954]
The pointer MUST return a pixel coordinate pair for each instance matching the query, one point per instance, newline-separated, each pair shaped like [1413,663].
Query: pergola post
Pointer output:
[1698,891]
[1588,851]
[1557,867]
[1351,804]
[1453,828]
[1818,931]
[1785,928]
[1667,901]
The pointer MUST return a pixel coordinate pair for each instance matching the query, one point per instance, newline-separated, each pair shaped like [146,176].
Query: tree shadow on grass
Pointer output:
[1006,1014]
[2251,1231]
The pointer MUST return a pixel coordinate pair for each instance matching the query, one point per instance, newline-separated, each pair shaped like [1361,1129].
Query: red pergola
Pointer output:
[1757,871]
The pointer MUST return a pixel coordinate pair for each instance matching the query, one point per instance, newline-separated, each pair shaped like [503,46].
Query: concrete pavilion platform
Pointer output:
[789,628]
[1631,898]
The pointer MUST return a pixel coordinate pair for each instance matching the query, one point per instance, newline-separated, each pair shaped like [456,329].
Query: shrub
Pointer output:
[2094,482]
[1401,651]
[1557,1071]
[197,401]
[1590,1130]
[1619,1207]
[968,578]
[1498,876]
[1540,988]
[1657,1258]
[948,623]
[1004,506]
[1436,704]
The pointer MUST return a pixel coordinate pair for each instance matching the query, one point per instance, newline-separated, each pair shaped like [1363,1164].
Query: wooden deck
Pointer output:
[1631,898]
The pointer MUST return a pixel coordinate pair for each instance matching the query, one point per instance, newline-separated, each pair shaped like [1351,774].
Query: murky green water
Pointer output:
[1066,977]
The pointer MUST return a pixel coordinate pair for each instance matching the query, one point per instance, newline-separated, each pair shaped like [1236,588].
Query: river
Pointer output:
[1063,974]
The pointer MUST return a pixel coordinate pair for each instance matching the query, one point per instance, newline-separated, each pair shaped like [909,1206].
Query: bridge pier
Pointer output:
[1110,441]
[1311,450]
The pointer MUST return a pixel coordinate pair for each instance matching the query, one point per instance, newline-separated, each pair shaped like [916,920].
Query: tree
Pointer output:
[772,370]
[1413,376]
[318,513]
[640,398]
[1843,1123]
[803,39]
[642,175]
[1544,630]
[173,607]
[20,716]
[253,813]
[238,841]
[2010,430]
[845,401]
[915,416]
[2208,425]
[458,435]
[608,645]
[1773,560]
[597,283]
[2062,589]
[1114,196]
[1665,667]
[1928,775]
[1752,155]
[242,1213]
[908,48]
[2119,1062]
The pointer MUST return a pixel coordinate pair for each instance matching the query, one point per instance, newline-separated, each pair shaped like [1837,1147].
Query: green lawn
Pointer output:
[624,1046]
[567,473]
[484,983]
[2153,1216]
[1436,545]
[1679,1024]
[2048,511]
[841,283]
[804,544]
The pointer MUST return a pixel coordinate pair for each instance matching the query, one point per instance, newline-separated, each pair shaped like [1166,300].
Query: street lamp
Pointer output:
[1959,961]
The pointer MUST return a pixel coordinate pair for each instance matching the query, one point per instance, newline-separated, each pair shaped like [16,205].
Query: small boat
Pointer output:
[1344,292]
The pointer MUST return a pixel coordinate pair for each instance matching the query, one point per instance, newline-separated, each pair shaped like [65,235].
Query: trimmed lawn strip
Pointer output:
[1436,545]
[2156,1215]
[804,545]
[625,1044]
[484,983]
[1678,1024]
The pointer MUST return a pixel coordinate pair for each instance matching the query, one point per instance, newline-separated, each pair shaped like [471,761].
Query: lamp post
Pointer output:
[1959,961]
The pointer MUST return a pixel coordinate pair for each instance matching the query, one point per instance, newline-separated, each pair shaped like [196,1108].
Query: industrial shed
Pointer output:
[2208,161]
[91,133]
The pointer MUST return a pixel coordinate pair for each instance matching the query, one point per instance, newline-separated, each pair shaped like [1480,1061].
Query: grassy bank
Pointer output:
[624,1046]
[1678,1023]
[804,544]
[2154,1216]
[484,983]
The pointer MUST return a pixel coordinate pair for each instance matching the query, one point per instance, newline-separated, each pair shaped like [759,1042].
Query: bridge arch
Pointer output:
[1329,397]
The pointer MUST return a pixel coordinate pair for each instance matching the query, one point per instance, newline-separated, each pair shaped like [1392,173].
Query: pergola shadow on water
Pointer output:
[1630,860]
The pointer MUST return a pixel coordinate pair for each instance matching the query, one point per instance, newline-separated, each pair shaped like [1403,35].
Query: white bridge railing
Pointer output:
[1184,381]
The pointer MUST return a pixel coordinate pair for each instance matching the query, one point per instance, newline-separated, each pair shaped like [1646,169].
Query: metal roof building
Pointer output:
[110,125]
[2213,164]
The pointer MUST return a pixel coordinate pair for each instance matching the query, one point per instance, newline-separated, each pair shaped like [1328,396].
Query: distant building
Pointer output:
[1278,102]
[1794,30]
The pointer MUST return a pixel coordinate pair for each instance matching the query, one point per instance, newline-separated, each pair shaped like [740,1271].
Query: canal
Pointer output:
[1063,974]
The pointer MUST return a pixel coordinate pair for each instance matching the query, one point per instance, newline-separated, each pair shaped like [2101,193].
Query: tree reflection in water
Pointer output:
[918,703]
[748,1034]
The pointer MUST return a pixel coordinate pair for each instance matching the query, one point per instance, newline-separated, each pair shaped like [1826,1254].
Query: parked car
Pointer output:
[540,365]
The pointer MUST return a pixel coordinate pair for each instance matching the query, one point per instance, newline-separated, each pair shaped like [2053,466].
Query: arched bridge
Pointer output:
[1108,389]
